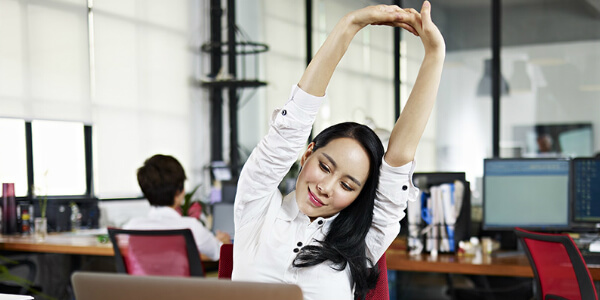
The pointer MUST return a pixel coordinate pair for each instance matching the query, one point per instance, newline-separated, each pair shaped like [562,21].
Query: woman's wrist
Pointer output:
[435,55]
[351,22]
[436,51]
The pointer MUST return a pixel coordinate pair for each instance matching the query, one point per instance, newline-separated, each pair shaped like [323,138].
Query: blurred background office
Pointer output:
[131,73]
[89,89]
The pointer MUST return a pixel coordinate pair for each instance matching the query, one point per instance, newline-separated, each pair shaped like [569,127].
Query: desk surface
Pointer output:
[515,265]
[65,243]
[82,243]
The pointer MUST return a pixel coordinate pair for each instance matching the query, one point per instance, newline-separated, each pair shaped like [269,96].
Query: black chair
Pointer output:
[13,284]
[156,252]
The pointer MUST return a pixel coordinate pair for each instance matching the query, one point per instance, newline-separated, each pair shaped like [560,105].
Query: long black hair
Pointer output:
[344,245]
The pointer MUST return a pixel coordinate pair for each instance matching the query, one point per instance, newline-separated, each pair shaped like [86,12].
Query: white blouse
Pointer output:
[270,229]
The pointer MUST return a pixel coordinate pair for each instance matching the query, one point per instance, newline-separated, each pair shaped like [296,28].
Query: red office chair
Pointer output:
[381,290]
[558,267]
[156,252]
[225,261]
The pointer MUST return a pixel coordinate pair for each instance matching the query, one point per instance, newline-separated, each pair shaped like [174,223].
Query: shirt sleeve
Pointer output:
[395,189]
[206,242]
[272,158]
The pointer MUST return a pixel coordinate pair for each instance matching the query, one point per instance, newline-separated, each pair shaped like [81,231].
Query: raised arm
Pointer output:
[318,73]
[410,125]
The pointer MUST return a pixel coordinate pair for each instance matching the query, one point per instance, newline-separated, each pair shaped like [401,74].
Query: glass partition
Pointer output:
[459,133]
[553,68]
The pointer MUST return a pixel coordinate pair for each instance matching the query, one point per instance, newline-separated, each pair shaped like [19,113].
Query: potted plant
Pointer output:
[40,224]
[196,208]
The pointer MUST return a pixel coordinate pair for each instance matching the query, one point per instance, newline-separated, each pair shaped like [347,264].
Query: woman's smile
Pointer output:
[314,199]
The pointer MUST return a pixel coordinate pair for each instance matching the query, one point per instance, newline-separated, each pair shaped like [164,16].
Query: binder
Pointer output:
[444,210]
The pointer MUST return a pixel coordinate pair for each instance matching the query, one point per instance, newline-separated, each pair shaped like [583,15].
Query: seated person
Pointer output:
[161,180]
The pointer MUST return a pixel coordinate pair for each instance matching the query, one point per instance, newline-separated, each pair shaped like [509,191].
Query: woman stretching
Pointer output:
[327,235]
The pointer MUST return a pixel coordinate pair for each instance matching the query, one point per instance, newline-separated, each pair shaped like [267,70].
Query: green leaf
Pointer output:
[188,200]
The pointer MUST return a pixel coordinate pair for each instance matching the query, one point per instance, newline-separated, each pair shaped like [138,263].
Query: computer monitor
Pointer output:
[528,193]
[585,191]
[223,218]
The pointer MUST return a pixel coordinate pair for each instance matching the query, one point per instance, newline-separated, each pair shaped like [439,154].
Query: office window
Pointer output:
[44,74]
[144,100]
[44,71]
[123,66]
[58,158]
[13,164]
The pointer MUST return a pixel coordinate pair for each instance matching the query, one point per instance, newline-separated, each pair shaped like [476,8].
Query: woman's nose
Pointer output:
[325,187]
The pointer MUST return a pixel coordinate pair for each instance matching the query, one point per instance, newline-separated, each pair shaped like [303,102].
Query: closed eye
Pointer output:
[324,167]
[347,187]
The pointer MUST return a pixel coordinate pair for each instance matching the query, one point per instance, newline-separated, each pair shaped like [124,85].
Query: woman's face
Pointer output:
[331,177]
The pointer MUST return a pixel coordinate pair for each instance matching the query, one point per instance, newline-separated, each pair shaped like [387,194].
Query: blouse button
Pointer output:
[296,250]
[404,187]
[299,244]
[284,112]
[320,222]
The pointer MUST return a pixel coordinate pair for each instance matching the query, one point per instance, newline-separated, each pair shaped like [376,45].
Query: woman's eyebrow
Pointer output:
[332,161]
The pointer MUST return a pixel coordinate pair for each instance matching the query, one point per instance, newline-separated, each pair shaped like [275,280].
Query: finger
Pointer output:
[392,8]
[389,10]
[401,25]
[411,10]
[411,17]
[426,12]
[409,28]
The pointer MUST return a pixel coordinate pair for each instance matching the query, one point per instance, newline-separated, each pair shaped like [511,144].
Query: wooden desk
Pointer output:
[64,243]
[515,265]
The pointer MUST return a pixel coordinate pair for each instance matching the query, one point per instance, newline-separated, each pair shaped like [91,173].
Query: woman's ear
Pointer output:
[307,153]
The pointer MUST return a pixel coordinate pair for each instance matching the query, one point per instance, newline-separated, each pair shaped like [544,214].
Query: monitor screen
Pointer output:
[527,193]
[585,189]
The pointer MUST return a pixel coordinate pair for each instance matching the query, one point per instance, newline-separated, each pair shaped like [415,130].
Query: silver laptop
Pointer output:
[102,286]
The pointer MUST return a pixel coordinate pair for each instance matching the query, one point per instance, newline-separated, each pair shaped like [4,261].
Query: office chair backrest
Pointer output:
[21,284]
[156,252]
[381,290]
[559,269]
[225,261]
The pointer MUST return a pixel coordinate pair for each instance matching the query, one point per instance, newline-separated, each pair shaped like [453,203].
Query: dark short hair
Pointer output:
[345,242]
[161,178]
